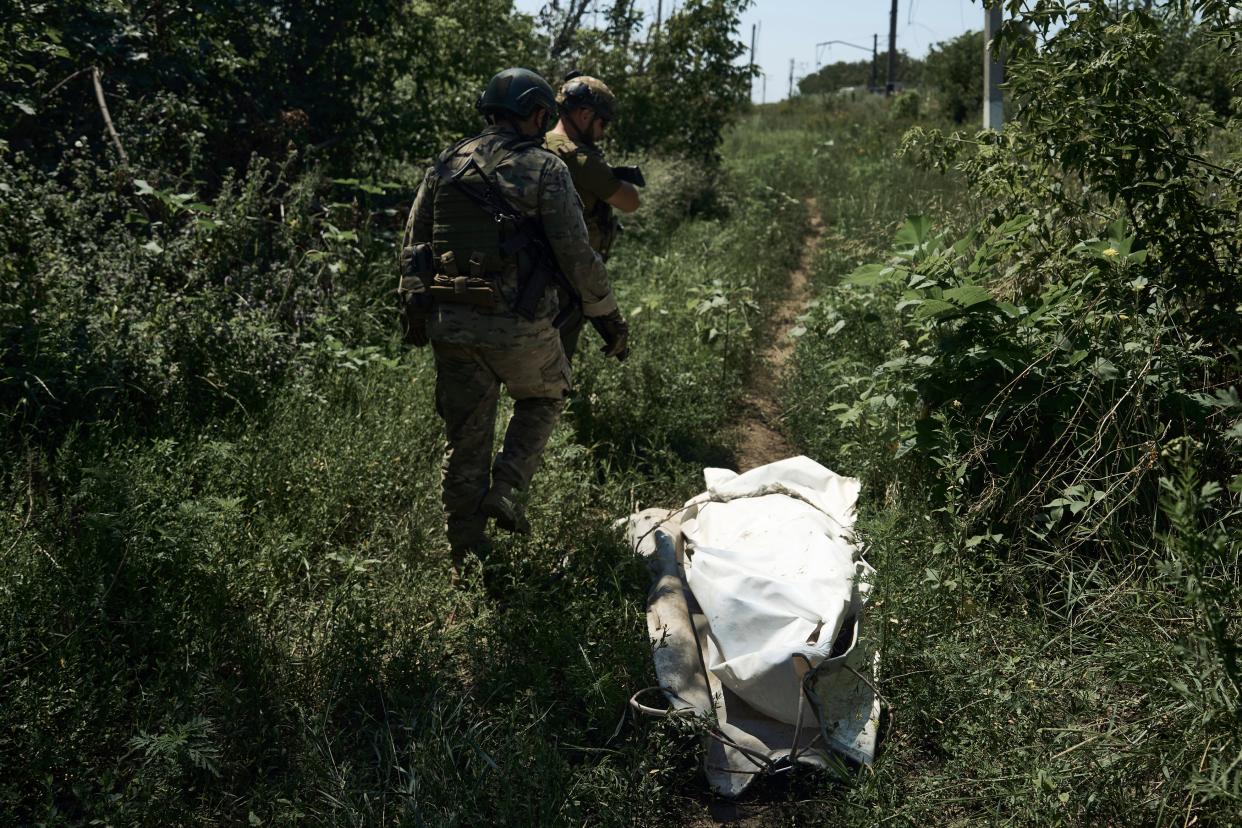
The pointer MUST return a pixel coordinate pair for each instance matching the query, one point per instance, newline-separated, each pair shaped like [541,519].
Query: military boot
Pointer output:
[469,546]
[501,504]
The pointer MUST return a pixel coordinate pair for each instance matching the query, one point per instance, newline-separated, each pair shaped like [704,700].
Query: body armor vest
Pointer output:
[468,240]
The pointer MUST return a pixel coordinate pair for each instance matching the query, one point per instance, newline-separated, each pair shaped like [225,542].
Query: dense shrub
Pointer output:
[905,107]
[833,77]
[126,301]
[225,578]
[680,88]
[952,70]
[1053,374]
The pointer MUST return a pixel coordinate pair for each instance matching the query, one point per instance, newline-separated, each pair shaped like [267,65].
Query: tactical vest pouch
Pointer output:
[417,262]
[465,290]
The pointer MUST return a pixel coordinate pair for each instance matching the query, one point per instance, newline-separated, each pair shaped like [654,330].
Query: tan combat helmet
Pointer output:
[585,91]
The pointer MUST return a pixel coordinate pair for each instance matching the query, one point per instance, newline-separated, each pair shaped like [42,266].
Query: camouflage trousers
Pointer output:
[468,380]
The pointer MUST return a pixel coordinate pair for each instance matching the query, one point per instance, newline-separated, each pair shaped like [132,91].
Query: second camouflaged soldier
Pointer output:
[587,106]
[494,226]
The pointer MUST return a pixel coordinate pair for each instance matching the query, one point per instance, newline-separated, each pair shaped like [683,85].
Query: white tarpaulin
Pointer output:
[756,615]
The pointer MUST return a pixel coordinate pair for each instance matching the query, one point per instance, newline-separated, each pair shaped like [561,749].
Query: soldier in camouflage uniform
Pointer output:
[490,213]
[587,106]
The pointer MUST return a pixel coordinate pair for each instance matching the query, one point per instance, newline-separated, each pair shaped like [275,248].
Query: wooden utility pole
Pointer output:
[993,71]
[875,60]
[892,51]
[791,67]
[752,60]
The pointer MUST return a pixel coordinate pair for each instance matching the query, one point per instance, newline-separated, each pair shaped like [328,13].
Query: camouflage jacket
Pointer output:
[596,183]
[537,183]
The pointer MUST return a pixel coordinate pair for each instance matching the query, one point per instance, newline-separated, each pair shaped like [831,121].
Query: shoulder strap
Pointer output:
[488,197]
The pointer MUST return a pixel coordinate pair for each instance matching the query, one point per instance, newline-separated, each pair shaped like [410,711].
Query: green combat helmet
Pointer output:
[516,92]
[585,91]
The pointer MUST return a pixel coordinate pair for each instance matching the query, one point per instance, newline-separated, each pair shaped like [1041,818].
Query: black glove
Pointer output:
[616,334]
[414,312]
[633,175]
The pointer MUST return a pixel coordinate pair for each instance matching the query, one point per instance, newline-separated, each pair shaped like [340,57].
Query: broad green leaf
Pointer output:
[1013,225]
[1009,309]
[935,307]
[873,274]
[914,232]
[965,243]
[1104,369]
[967,295]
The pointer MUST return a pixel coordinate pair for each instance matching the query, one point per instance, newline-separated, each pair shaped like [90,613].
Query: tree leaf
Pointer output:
[914,232]
[1104,369]
[967,295]
[935,307]
[874,274]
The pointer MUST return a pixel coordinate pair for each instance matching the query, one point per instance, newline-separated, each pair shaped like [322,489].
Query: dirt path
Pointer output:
[760,440]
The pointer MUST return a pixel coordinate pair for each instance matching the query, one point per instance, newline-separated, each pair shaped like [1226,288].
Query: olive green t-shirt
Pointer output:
[595,183]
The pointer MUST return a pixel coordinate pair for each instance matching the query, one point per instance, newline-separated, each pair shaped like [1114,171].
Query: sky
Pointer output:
[789,29]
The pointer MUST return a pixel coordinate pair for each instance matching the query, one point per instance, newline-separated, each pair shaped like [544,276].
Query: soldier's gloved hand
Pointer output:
[616,335]
[414,313]
[415,332]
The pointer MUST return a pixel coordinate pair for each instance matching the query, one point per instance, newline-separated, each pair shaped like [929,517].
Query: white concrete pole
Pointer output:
[993,71]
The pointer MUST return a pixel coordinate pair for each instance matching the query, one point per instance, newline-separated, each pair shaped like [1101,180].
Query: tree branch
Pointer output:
[569,27]
[103,110]
[52,91]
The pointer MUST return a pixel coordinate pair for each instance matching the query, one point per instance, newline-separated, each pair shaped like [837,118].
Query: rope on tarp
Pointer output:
[759,760]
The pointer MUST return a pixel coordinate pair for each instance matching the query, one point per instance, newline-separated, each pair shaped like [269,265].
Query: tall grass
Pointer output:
[1079,673]
[241,613]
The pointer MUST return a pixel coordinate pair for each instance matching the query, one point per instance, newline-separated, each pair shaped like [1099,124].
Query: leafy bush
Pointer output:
[833,77]
[953,72]
[680,89]
[204,316]
[905,107]
[1054,374]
